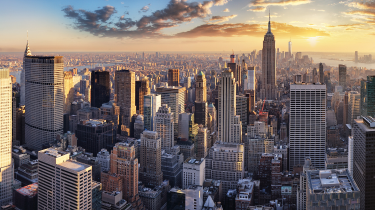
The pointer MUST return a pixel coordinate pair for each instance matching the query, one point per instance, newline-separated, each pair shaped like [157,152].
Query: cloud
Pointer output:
[220,19]
[148,26]
[281,30]
[261,5]
[362,5]
[144,9]
[226,10]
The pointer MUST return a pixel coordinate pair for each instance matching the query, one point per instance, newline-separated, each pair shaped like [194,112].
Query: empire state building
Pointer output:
[268,87]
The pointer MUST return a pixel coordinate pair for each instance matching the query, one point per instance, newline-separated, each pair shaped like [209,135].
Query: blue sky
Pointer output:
[216,25]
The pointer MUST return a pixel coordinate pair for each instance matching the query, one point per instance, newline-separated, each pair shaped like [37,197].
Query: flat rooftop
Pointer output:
[75,166]
[29,190]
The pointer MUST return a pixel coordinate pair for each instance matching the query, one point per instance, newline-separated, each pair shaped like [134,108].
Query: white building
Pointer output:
[164,126]
[229,124]
[6,165]
[151,105]
[62,183]
[193,172]
[44,99]
[307,125]
[194,198]
[104,159]
[354,100]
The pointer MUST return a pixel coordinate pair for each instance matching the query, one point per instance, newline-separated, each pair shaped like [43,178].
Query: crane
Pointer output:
[261,111]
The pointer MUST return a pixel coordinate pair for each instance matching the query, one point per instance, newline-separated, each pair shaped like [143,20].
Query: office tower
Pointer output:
[175,98]
[350,154]
[315,76]
[356,56]
[332,189]
[249,83]
[243,110]
[173,77]
[139,126]
[201,142]
[44,99]
[93,135]
[200,99]
[68,91]
[171,166]
[57,174]
[364,158]
[367,102]
[193,172]
[104,159]
[290,48]
[164,127]
[6,165]
[100,88]
[187,82]
[354,106]
[268,85]
[212,124]
[23,84]
[229,124]
[225,162]
[201,113]
[150,171]
[187,129]
[142,88]
[125,164]
[345,109]
[307,126]
[321,73]
[254,148]
[236,69]
[110,111]
[151,104]
[83,85]
[342,76]
[125,92]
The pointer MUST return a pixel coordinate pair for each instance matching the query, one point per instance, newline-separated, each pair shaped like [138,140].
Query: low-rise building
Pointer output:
[113,201]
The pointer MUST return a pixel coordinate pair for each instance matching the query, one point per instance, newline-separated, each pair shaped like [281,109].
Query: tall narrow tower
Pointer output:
[27,53]
[44,99]
[268,88]
[200,100]
[6,166]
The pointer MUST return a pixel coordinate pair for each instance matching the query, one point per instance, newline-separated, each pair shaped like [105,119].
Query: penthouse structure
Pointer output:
[70,182]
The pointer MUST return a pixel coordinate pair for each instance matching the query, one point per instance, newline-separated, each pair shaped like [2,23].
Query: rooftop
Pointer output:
[29,190]
[95,122]
[72,165]
[192,160]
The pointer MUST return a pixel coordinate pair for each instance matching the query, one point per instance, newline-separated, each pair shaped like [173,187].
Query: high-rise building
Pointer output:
[364,159]
[151,104]
[23,84]
[44,99]
[225,162]
[125,93]
[243,110]
[100,88]
[94,135]
[187,129]
[229,124]
[173,77]
[175,98]
[268,85]
[201,142]
[171,166]
[345,109]
[6,164]
[125,164]
[57,175]
[290,48]
[200,88]
[367,102]
[321,73]
[164,127]
[139,126]
[236,69]
[342,76]
[68,91]
[193,172]
[212,124]
[150,171]
[307,125]
[142,88]
[354,106]
[201,113]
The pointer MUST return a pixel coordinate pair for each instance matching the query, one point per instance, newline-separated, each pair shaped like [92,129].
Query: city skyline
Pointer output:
[71,26]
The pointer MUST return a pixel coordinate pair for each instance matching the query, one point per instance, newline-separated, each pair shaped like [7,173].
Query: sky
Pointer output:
[186,25]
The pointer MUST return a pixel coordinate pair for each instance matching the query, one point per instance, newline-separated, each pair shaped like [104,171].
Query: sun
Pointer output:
[313,40]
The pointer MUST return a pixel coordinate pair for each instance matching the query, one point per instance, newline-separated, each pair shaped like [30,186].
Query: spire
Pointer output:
[269,21]
[27,50]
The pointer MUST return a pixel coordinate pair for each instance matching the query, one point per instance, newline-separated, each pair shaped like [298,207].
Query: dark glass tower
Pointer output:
[100,88]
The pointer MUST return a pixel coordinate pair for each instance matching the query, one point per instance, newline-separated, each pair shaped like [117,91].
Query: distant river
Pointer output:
[328,62]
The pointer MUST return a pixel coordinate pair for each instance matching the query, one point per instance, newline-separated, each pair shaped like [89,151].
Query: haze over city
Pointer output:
[171,25]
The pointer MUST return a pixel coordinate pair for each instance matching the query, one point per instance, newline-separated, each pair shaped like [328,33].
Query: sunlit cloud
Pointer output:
[220,19]
[226,10]
[261,5]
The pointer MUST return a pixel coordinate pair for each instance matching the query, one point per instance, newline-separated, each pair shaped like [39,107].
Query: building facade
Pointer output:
[100,88]
[150,170]
[164,126]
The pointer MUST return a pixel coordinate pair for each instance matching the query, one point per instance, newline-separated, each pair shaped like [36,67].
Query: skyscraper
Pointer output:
[173,77]
[44,99]
[100,88]
[200,99]
[6,165]
[56,178]
[368,97]
[142,88]
[27,53]
[150,171]
[354,106]
[151,105]
[342,76]
[307,125]
[229,124]
[164,127]
[268,86]
[68,91]
[290,48]
[321,73]
[364,159]
[125,92]
[201,142]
